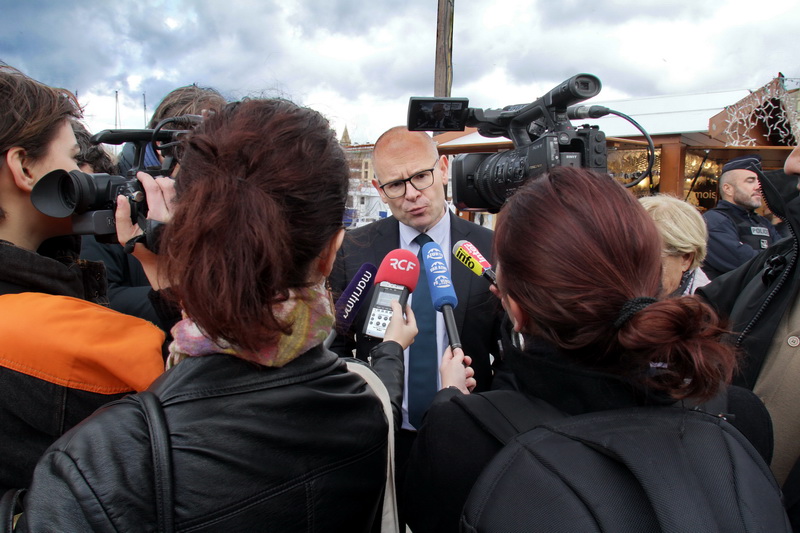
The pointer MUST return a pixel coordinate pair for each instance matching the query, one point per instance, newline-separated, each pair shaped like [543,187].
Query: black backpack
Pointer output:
[642,469]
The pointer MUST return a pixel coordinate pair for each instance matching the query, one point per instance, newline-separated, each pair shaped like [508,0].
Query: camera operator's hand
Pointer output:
[160,194]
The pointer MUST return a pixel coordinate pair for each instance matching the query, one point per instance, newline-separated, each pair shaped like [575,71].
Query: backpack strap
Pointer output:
[505,414]
[162,459]
[389,520]
[10,509]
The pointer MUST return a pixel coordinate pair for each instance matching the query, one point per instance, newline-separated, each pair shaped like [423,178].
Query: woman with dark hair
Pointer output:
[591,334]
[128,288]
[64,354]
[265,428]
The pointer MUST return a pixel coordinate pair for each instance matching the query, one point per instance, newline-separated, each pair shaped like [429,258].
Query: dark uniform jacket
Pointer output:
[296,448]
[735,235]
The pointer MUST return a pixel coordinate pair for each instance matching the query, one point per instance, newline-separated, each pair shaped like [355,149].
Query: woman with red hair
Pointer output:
[579,274]
[256,425]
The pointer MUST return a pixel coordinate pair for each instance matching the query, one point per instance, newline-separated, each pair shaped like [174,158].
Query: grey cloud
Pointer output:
[356,16]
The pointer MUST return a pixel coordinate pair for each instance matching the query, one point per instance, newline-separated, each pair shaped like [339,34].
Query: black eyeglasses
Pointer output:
[421,180]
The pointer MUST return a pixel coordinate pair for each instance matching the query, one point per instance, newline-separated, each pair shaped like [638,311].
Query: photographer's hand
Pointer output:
[160,194]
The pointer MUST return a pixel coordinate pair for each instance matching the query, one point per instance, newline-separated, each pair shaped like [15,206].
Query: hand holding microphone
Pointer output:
[456,370]
[401,329]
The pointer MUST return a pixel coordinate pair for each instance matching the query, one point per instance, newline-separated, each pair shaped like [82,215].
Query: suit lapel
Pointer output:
[462,277]
[387,239]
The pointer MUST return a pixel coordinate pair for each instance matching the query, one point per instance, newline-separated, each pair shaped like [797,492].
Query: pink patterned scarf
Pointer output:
[309,311]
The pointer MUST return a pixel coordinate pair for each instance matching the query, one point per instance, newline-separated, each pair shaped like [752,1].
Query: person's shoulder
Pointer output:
[106,428]
[717,216]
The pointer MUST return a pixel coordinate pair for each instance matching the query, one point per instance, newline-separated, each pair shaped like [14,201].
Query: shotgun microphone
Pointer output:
[442,293]
[580,112]
[396,278]
[468,254]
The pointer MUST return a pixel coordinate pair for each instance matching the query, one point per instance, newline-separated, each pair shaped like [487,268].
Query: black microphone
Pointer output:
[351,300]
[354,296]
[442,294]
[579,112]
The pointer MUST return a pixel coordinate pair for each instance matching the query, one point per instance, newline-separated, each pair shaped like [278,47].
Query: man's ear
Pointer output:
[15,159]
[445,163]
[380,191]
[727,190]
[328,256]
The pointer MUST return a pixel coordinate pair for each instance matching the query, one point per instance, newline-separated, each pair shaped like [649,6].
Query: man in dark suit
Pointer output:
[411,180]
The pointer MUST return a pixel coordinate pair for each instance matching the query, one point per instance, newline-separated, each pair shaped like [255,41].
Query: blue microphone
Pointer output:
[442,293]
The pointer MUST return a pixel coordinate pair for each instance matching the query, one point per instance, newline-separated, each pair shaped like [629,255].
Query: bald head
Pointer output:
[400,138]
[400,154]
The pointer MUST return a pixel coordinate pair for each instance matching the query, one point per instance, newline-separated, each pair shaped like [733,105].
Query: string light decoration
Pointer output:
[771,114]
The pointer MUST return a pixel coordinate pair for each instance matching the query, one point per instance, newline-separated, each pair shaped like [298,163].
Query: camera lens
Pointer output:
[68,192]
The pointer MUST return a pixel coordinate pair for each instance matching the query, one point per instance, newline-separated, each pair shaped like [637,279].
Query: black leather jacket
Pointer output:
[298,448]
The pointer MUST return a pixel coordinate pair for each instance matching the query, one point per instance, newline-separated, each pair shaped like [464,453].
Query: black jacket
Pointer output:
[297,448]
[128,286]
[451,449]
[756,295]
[63,357]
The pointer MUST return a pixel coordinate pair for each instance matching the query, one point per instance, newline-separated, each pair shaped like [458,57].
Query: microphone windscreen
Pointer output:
[471,257]
[442,292]
[354,296]
[399,267]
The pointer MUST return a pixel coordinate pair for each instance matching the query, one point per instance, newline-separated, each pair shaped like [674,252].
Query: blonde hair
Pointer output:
[682,228]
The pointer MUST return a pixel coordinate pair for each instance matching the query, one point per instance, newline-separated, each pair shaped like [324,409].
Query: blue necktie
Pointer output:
[423,358]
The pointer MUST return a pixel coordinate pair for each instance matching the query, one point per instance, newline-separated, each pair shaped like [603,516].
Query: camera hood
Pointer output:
[60,194]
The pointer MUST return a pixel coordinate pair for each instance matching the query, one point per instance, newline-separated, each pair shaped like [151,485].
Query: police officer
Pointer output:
[735,232]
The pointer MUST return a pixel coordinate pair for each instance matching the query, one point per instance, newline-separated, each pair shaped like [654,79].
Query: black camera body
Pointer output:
[484,181]
[91,199]
[543,138]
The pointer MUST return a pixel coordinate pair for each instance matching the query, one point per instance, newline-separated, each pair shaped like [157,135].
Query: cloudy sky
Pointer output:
[358,62]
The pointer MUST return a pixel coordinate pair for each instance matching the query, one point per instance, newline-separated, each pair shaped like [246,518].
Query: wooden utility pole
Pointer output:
[443,74]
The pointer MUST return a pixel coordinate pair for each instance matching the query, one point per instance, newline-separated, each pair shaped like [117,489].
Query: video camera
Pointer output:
[91,199]
[541,131]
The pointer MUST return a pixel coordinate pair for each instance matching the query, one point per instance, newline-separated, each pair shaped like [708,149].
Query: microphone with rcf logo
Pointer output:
[442,292]
[396,278]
